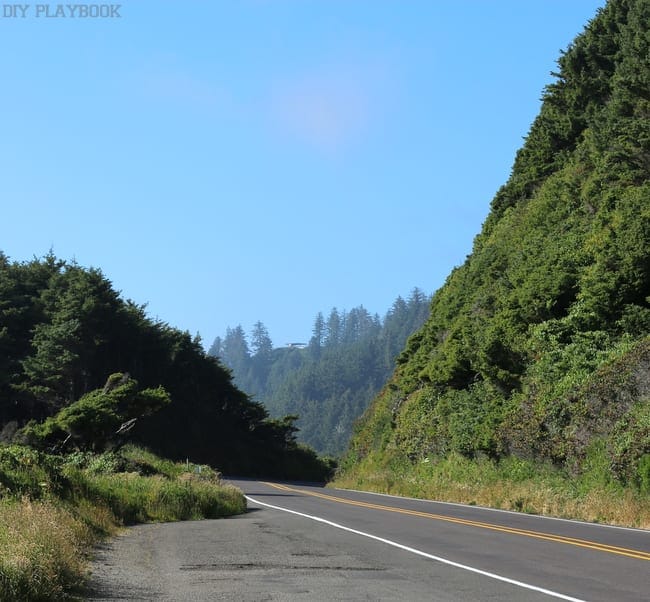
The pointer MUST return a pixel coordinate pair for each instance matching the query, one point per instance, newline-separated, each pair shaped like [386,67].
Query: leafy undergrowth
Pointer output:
[511,484]
[54,508]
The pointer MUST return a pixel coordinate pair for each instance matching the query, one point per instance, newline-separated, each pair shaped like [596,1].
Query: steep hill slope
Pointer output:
[538,345]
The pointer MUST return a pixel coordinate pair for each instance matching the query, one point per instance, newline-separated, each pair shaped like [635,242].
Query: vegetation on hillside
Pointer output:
[64,330]
[329,382]
[538,346]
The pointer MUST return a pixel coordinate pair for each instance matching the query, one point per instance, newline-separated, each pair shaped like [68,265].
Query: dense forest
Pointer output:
[538,346]
[64,330]
[328,382]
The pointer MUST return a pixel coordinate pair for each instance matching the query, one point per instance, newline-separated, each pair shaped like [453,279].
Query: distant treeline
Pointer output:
[64,330]
[330,382]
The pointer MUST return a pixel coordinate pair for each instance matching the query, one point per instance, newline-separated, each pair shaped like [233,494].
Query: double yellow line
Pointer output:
[582,543]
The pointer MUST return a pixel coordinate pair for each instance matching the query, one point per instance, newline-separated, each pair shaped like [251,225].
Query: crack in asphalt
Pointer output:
[271,565]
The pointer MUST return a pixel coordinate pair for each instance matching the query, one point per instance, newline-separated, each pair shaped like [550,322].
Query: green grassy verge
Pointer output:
[511,484]
[54,508]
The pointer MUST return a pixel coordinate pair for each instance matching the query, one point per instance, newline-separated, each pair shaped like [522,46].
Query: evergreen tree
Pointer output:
[235,352]
[64,329]
[261,344]
[216,349]
[333,328]
[260,363]
[329,384]
[318,336]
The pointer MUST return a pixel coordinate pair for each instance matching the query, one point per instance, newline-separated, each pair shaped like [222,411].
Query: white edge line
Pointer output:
[548,592]
[524,514]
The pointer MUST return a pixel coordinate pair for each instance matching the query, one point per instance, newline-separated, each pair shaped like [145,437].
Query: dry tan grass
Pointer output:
[624,508]
[40,550]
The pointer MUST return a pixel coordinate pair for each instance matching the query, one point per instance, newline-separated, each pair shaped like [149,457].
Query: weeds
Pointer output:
[53,509]
[512,484]
[41,550]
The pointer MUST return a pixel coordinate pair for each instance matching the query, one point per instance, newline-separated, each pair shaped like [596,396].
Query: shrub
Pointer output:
[97,418]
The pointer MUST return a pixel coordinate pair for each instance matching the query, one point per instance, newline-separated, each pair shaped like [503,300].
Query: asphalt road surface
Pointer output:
[301,542]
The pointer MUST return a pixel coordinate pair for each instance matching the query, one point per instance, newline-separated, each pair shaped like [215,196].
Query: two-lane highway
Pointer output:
[311,543]
[486,553]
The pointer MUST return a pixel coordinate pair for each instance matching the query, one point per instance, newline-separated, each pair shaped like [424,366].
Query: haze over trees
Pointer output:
[64,330]
[538,346]
[329,381]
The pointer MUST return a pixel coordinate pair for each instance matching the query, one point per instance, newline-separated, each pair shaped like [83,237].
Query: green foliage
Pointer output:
[144,462]
[456,421]
[64,329]
[27,472]
[374,429]
[138,486]
[137,499]
[537,346]
[94,421]
[105,463]
[331,381]
[596,469]
[418,430]
[631,443]
[643,472]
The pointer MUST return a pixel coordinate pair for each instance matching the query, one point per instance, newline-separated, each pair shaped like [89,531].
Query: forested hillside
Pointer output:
[538,346]
[330,381]
[64,330]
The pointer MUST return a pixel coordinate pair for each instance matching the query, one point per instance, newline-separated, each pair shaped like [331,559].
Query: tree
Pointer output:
[330,386]
[80,315]
[235,349]
[98,418]
[51,371]
[64,328]
[333,329]
[216,349]
[21,311]
[261,344]
[260,362]
[318,336]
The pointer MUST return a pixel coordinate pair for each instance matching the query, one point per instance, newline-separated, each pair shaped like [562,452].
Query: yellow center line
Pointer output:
[601,547]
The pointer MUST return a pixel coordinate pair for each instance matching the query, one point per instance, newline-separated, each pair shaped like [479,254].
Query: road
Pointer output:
[302,542]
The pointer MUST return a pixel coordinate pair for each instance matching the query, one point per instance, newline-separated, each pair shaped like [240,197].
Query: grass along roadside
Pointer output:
[512,484]
[53,509]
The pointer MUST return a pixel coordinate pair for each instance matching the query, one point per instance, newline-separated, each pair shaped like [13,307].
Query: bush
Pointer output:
[96,419]
[27,472]
[644,474]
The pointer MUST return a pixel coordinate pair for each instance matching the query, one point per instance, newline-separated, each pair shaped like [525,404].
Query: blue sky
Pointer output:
[228,162]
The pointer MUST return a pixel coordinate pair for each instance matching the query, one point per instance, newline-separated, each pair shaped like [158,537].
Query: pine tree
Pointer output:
[216,349]
[236,354]
[318,336]
[333,329]
[261,344]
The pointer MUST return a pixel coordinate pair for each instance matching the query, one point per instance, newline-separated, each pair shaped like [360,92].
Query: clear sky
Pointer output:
[233,161]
